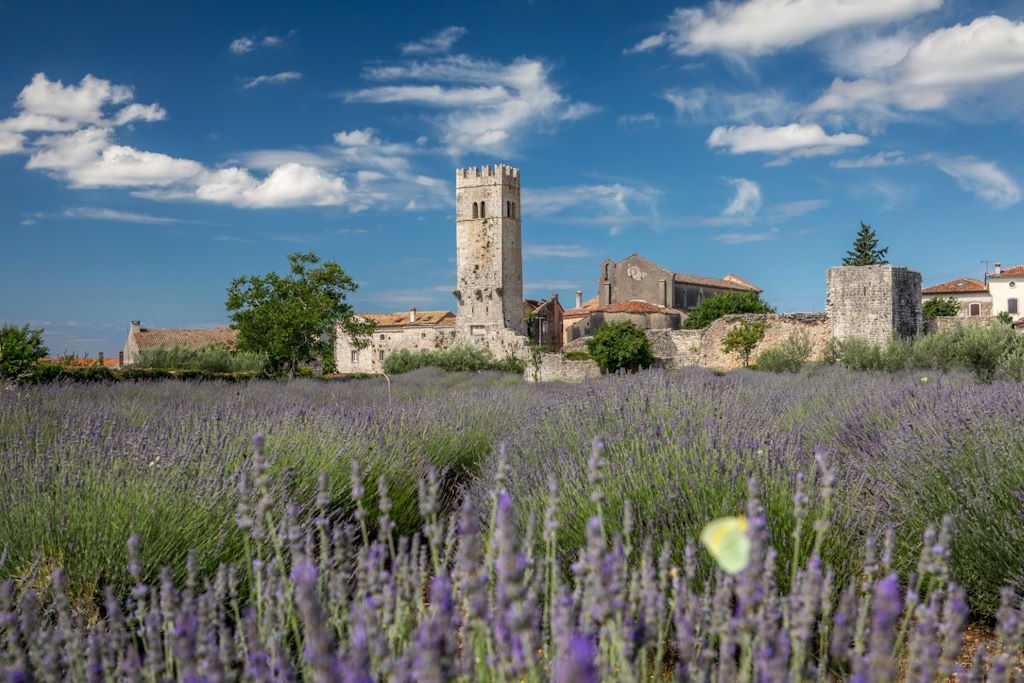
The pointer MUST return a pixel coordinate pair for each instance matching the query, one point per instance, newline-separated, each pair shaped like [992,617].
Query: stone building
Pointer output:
[150,338]
[636,278]
[1006,285]
[544,322]
[972,295]
[873,302]
[580,313]
[642,314]
[413,331]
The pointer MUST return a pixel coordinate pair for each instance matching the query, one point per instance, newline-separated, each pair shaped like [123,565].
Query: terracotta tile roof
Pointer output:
[1013,271]
[155,337]
[732,282]
[82,362]
[635,307]
[963,285]
[588,306]
[432,318]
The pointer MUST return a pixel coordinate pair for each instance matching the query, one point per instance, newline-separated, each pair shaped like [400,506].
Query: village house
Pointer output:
[1000,292]
[544,322]
[580,313]
[150,338]
[413,331]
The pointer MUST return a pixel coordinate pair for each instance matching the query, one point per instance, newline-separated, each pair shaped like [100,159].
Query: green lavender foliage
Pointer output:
[207,358]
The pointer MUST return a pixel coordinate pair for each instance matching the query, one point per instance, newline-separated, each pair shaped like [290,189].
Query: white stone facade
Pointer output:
[431,330]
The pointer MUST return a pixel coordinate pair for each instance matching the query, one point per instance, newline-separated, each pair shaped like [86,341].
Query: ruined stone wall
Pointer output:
[873,302]
[489,284]
[387,340]
[944,322]
[555,368]
[703,348]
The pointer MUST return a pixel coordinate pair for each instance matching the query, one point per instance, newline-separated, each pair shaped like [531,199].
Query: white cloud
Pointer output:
[488,103]
[747,201]
[709,104]
[878,160]
[982,178]
[866,55]
[734,238]
[271,41]
[441,41]
[241,45]
[946,64]
[796,139]
[275,79]
[632,120]
[94,213]
[760,27]
[539,251]
[617,199]
[140,112]
[11,142]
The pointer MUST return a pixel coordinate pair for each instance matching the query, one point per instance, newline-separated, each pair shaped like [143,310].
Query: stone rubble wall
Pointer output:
[555,368]
[943,322]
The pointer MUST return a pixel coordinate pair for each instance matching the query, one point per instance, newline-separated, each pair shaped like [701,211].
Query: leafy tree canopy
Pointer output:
[865,250]
[713,308]
[1005,318]
[618,346]
[743,338]
[20,350]
[940,307]
[291,318]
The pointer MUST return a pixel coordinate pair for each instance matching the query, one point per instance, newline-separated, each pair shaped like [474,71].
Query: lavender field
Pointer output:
[471,527]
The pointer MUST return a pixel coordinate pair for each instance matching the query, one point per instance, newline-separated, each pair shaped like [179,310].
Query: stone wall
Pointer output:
[703,348]
[948,322]
[555,368]
[873,302]
[387,340]
[635,279]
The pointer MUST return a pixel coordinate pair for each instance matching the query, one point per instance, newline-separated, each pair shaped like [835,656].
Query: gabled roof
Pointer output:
[728,282]
[588,306]
[530,305]
[155,337]
[426,318]
[1013,271]
[961,285]
[635,307]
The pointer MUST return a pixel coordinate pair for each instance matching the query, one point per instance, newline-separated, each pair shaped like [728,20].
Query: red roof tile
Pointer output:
[432,318]
[963,285]
[635,307]
[728,282]
[168,337]
[588,306]
[1013,271]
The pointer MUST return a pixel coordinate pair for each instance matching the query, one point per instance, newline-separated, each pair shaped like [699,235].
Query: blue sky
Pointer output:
[152,152]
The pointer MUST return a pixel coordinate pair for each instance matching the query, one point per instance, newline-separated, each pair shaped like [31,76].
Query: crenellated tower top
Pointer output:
[477,175]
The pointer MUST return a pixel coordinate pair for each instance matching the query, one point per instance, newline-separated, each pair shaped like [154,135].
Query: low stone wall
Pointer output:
[703,348]
[555,368]
[947,322]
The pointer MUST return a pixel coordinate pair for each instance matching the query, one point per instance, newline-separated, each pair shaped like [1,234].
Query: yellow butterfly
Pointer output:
[726,540]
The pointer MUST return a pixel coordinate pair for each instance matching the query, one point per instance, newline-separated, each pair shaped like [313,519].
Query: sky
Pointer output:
[152,152]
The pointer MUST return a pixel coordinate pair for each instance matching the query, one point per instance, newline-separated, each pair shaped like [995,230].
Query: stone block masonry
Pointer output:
[873,302]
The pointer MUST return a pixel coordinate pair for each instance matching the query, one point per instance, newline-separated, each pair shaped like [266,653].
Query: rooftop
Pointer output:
[1012,271]
[156,337]
[727,282]
[402,319]
[588,306]
[635,306]
[962,285]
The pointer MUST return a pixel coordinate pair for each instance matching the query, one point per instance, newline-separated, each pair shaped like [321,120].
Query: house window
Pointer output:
[355,356]
[382,337]
[423,335]
[483,211]
[1011,305]
[476,210]
[975,309]
[380,354]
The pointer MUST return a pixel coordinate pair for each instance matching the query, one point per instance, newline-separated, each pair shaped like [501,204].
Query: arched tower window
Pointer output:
[483,211]
[607,270]
[508,209]
[476,209]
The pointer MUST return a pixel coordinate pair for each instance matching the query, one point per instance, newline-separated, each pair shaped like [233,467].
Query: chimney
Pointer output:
[136,326]
[99,359]
[412,315]
[999,267]
[579,299]
[120,359]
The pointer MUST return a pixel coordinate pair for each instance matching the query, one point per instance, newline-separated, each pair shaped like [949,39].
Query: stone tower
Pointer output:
[873,302]
[489,252]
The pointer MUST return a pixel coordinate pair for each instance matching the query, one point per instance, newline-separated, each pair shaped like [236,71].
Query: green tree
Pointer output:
[1005,318]
[291,318]
[940,307]
[618,346]
[713,308]
[20,350]
[865,250]
[743,338]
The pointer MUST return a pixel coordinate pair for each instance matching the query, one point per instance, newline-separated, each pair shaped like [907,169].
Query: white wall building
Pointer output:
[414,331]
[1006,286]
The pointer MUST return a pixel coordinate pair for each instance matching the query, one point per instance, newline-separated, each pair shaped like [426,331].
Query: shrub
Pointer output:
[456,359]
[208,358]
[620,346]
[576,355]
[940,307]
[1005,318]
[859,354]
[896,353]
[21,348]
[715,307]
[743,338]
[789,356]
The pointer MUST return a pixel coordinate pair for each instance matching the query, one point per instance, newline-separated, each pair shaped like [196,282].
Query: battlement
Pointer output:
[477,175]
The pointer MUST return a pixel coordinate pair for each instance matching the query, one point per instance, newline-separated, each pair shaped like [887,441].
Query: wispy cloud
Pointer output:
[273,79]
[734,238]
[241,46]
[747,201]
[894,158]
[541,251]
[796,139]
[441,41]
[984,179]
[636,120]
[703,105]
[760,27]
[101,214]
